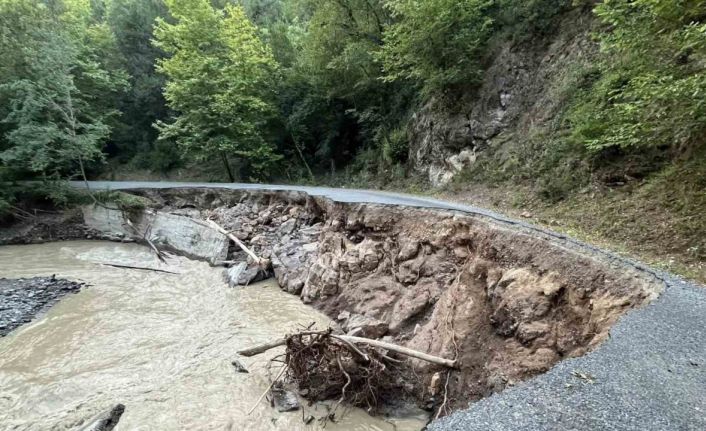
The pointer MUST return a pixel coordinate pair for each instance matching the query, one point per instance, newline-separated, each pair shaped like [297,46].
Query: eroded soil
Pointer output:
[506,301]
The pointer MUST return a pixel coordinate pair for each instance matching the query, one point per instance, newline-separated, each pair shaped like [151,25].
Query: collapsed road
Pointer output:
[552,333]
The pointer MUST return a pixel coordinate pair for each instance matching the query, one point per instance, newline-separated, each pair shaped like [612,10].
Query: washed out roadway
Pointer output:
[649,375]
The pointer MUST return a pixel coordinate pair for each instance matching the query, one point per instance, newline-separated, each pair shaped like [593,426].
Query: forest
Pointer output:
[325,92]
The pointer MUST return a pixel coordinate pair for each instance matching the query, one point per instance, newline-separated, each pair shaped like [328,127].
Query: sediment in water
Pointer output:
[508,302]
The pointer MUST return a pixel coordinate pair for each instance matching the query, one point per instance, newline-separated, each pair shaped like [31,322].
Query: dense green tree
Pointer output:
[143,104]
[650,86]
[57,79]
[219,83]
[437,44]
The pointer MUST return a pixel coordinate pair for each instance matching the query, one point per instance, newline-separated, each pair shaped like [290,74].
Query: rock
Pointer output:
[528,332]
[287,227]
[243,274]
[239,367]
[105,421]
[408,250]
[284,400]
[521,297]
[343,315]
[190,237]
[435,384]
[410,304]
[367,327]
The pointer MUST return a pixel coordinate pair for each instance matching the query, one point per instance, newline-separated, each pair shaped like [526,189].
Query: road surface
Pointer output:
[649,376]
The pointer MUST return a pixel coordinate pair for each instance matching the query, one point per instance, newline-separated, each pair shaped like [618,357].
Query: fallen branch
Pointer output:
[262,348]
[141,268]
[347,339]
[399,349]
[145,237]
[238,242]
[267,390]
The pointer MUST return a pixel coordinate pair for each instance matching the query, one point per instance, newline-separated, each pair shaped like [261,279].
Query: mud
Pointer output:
[507,302]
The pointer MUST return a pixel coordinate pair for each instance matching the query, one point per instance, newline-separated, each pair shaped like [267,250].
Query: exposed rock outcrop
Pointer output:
[521,89]
[508,303]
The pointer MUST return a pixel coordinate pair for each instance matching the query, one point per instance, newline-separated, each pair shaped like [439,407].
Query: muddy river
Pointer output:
[162,344]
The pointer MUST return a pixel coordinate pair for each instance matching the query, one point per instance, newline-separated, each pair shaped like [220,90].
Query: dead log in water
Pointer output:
[105,421]
[354,370]
[347,339]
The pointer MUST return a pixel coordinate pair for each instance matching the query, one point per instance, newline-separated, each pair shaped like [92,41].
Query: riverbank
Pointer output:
[24,298]
[508,299]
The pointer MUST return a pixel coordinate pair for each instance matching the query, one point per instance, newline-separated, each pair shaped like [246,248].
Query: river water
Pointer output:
[159,343]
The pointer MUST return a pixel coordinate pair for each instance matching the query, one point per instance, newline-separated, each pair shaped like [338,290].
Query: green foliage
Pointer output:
[122,200]
[220,79]
[395,147]
[525,19]
[651,89]
[437,43]
[143,104]
[54,85]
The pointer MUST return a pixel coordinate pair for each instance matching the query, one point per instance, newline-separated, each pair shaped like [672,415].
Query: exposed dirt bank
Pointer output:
[507,302]
[22,299]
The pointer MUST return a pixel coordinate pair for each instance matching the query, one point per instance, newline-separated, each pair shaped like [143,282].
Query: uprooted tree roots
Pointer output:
[324,367]
[357,371]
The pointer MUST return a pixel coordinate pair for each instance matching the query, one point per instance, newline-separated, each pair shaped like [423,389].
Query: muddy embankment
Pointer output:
[506,301]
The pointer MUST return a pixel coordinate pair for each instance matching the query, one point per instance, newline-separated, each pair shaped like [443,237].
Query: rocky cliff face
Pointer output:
[521,90]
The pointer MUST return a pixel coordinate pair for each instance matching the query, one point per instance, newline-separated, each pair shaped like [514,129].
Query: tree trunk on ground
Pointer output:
[226,163]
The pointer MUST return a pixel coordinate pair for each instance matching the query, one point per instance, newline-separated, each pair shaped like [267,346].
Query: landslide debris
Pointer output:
[506,302]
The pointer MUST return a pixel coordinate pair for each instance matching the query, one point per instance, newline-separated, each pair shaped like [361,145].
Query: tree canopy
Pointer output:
[220,79]
[296,89]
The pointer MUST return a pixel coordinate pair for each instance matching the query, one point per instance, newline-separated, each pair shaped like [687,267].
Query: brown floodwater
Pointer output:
[161,344]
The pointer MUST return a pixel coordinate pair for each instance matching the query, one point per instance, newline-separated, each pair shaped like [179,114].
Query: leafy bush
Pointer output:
[653,78]
[395,147]
[437,44]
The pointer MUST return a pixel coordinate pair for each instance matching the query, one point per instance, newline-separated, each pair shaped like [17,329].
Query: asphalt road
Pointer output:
[649,376]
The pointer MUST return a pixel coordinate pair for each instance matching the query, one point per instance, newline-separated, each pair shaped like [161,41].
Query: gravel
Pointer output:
[21,300]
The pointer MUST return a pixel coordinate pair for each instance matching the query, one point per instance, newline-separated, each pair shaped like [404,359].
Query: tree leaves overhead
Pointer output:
[302,87]
[56,82]
[220,79]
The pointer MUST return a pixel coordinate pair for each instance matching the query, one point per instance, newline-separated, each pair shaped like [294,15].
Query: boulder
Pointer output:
[365,326]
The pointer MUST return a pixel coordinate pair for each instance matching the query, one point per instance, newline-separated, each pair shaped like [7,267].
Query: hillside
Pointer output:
[585,116]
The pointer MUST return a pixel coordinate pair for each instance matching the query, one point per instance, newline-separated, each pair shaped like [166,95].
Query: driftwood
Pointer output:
[105,421]
[145,237]
[353,370]
[350,340]
[140,268]
[238,242]
[262,348]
